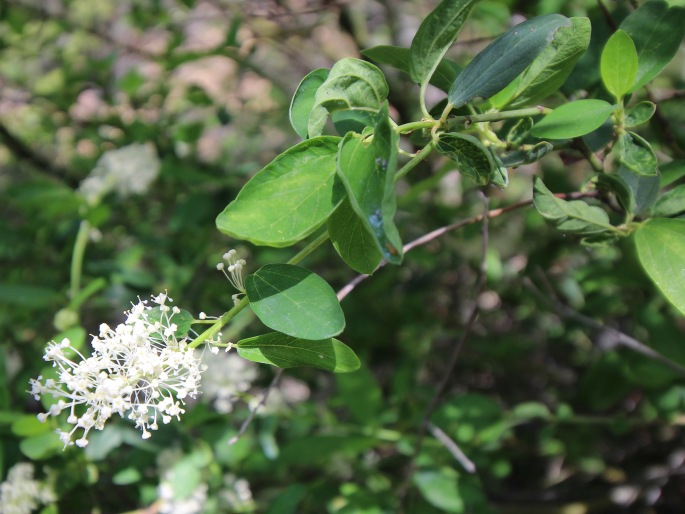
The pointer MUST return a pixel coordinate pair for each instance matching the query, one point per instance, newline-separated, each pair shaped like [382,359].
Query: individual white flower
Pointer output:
[139,370]
[20,493]
[233,270]
[226,377]
[127,171]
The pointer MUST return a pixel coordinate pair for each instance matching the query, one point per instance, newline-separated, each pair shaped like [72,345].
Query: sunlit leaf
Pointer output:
[618,64]
[573,119]
[303,100]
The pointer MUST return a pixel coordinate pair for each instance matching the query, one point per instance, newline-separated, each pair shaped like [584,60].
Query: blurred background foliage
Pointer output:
[554,414]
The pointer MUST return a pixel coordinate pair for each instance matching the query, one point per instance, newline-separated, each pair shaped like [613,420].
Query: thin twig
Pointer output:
[265,396]
[454,357]
[622,339]
[607,16]
[452,447]
[430,236]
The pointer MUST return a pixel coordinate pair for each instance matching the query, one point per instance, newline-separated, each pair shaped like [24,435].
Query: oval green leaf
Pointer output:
[472,157]
[551,68]
[672,203]
[352,84]
[303,100]
[288,199]
[644,188]
[289,352]
[505,58]
[437,33]
[573,119]
[640,113]
[657,31]
[661,250]
[618,64]
[576,217]
[637,154]
[352,240]
[367,169]
[295,301]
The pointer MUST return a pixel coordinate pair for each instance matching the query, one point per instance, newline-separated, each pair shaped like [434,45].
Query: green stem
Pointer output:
[496,116]
[425,151]
[77,258]
[244,302]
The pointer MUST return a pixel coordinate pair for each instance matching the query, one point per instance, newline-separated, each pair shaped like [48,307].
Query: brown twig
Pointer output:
[265,396]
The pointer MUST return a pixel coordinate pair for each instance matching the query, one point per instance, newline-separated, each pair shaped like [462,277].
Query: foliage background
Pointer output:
[552,412]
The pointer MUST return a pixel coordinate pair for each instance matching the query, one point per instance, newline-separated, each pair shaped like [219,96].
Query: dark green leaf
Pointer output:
[399,58]
[637,154]
[644,188]
[618,186]
[353,121]
[661,247]
[672,203]
[574,216]
[437,33]
[472,157]
[505,58]
[534,154]
[295,301]
[519,131]
[288,199]
[573,119]
[672,172]
[288,352]
[639,114]
[361,395]
[367,168]
[551,68]
[500,176]
[304,99]
[353,240]
[352,84]
[618,65]
[657,31]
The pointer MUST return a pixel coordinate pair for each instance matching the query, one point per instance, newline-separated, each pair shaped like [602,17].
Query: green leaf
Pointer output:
[304,99]
[640,113]
[500,176]
[440,489]
[657,31]
[400,58]
[352,84]
[519,131]
[574,216]
[472,157]
[644,188]
[618,65]
[505,58]
[534,154]
[573,119]
[295,301]
[353,121]
[288,199]
[637,154]
[618,186]
[661,250]
[41,446]
[551,68]
[289,352]
[352,239]
[672,172]
[437,33]
[367,169]
[671,203]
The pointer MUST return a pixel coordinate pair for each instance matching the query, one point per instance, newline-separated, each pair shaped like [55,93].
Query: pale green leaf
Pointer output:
[288,199]
[672,203]
[289,352]
[573,119]
[618,65]
[661,250]
[303,100]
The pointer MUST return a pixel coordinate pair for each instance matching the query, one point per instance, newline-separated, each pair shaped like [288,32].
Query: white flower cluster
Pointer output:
[21,494]
[129,170]
[139,370]
[227,376]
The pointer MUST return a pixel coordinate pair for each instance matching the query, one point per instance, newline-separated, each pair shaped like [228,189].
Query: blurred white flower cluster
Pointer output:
[127,171]
[140,370]
[21,494]
[227,377]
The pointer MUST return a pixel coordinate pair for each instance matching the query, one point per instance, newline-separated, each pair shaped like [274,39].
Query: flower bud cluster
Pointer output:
[139,370]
